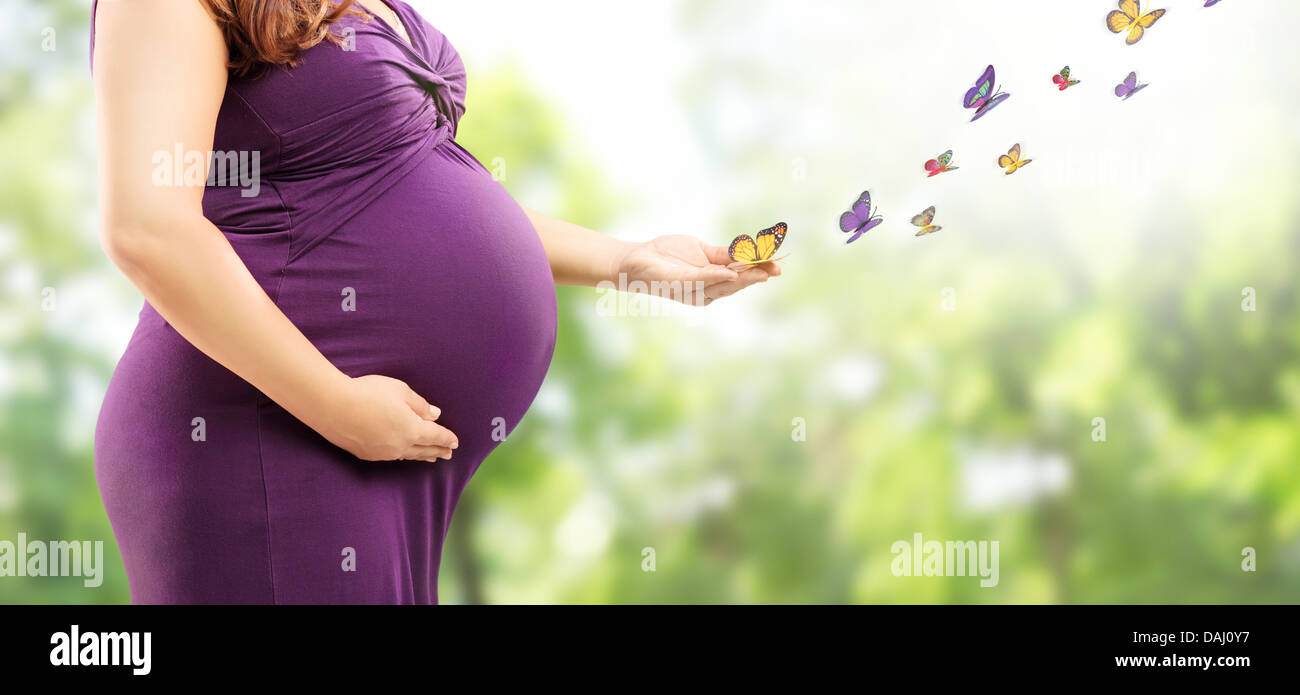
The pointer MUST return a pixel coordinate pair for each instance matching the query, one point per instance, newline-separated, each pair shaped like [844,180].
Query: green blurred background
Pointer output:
[1104,280]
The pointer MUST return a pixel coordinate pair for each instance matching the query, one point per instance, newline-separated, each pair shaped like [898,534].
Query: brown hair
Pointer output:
[264,33]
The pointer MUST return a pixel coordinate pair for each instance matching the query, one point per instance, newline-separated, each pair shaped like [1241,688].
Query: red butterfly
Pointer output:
[940,164]
[1064,80]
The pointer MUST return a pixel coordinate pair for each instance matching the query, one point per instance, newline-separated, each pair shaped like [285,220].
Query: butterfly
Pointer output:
[939,164]
[983,97]
[1129,86]
[861,219]
[1129,17]
[746,250]
[923,221]
[1011,160]
[1064,80]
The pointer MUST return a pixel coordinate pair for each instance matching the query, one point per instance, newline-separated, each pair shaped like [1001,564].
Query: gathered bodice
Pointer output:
[333,132]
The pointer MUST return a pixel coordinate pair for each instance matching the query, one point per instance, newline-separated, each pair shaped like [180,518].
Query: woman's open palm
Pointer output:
[682,259]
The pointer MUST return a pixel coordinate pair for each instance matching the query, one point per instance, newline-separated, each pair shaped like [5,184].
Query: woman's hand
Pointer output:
[381,419]
[677,258]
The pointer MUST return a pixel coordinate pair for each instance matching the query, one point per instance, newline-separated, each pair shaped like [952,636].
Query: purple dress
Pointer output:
[396,253]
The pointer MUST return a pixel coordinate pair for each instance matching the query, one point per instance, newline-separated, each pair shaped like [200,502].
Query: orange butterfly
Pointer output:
[1012,161]
[1130,17]
[746,250]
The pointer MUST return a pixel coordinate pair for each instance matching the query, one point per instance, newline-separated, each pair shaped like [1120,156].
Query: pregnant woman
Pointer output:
[330,337]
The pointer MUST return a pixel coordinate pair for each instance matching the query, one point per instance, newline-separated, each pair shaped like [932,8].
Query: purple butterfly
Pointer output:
[860,219]
[1211,3]
[983,97]
[1129,86]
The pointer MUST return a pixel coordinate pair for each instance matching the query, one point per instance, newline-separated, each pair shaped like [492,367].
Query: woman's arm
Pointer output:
[160,76]
[580,256]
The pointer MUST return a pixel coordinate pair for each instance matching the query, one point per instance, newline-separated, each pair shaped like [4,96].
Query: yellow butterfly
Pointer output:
[745,250]
[1129,16]
[923,221]
[1012,161]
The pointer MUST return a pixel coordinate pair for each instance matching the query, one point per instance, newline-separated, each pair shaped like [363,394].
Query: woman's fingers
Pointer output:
[420,406]
[428,453]
[433,434]
[749,276]
[710,274]
[429,437]
[717,255]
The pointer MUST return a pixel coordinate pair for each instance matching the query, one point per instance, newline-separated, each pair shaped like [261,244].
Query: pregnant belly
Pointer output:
[441,282]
